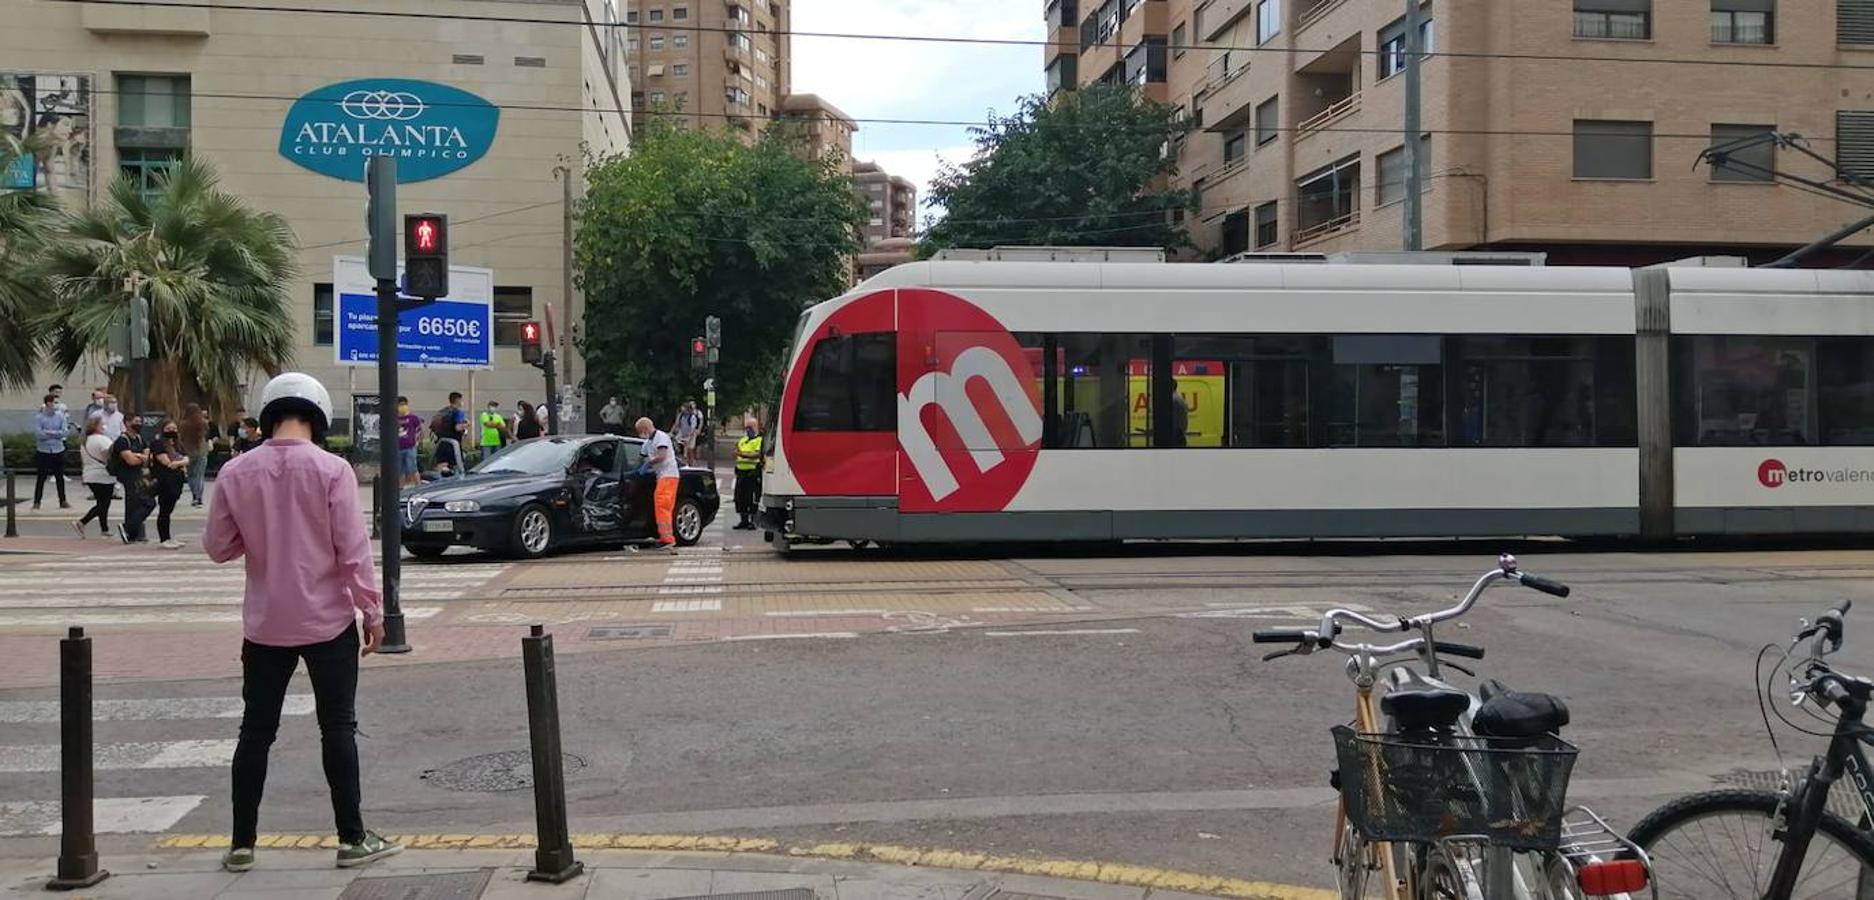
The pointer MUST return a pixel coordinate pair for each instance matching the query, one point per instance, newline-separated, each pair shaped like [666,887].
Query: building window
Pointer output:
[1752,163]
[1390,184]
[657,42]
[680,70]
[851,385]
[514,306]
[153,101]
[1743,21]
[1854,22]
[1145,62]
[1178,38]
[322,314]
[1328,198]
[1268,123]
[680,13]
[1233,236]
[1063,72]
[1268,20]
[1615,19]
[147,167]
[631,43]
[1610,149]
[1392,45]
[657,15]
[1235,145]
[1854,142]
[679,41]
[1267,225]
[657,98]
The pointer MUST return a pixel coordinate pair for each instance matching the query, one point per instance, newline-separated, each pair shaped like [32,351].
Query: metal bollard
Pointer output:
[13,502]
[78,845]
[553,861]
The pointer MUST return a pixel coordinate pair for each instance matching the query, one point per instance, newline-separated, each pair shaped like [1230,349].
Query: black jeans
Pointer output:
[137,507]
[747,493]
[265,671]
[167,493]
[50,465]
[101,497]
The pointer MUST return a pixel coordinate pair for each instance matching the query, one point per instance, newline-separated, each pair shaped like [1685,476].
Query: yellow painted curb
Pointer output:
[1079,870]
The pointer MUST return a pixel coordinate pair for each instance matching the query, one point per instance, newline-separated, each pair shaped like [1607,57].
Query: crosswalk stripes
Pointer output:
[197,752]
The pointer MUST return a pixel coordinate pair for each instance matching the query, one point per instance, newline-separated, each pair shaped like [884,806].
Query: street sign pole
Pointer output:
[381,182]
[551,347]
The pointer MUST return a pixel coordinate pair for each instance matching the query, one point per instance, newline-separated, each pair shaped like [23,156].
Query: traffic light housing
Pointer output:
[712,331]
[531,352]
[426,255]
[699,354]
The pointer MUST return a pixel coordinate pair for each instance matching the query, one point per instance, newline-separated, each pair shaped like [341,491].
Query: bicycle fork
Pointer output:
[1799,814]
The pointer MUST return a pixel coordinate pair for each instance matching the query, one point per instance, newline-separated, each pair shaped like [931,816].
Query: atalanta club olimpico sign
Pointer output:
[430,129]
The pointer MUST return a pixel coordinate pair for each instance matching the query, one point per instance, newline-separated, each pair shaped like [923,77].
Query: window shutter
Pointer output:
[1763,6]
[1854,21]
[1620,6]
[1854,142]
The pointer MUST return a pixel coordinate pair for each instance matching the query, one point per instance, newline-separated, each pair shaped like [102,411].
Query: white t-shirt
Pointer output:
[113,423]
[668,468]
[96,455]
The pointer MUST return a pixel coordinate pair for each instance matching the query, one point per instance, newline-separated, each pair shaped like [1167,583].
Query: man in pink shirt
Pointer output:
[292,510]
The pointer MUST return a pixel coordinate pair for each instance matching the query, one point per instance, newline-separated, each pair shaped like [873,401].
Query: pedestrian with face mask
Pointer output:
[171,463]
[291,509]
[130,461]
[748,474]
[49,427]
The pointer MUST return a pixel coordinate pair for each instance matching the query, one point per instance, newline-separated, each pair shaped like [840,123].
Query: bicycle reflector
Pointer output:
[1614,876]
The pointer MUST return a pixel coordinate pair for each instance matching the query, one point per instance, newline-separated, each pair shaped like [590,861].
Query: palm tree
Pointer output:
[29,221]
[214,273]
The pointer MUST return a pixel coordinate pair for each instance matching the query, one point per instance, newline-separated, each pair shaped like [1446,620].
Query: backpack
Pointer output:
[443,423]
[116,467]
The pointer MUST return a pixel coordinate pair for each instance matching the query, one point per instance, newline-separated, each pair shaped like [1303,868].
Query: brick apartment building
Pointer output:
[891,203]
[1565,126]
[714,62]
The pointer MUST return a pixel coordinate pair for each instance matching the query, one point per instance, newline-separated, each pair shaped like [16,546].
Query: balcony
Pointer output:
[1219,15]
[1315,13]
[1336,111]
[1227,102]
[1327,201]
[1323,230]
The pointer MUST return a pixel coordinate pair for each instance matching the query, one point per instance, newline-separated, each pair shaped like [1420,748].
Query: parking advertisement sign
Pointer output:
[455,332]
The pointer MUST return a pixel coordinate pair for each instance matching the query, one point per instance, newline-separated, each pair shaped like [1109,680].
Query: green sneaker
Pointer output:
[373,848]
[238,859]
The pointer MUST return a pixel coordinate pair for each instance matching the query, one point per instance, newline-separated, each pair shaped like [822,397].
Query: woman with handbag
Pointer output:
[95,451]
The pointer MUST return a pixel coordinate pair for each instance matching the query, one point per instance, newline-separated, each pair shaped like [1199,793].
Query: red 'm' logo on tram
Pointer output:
[1772,474]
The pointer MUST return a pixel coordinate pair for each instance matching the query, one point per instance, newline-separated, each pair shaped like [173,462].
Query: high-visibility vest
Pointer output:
[491,431]
[748,453]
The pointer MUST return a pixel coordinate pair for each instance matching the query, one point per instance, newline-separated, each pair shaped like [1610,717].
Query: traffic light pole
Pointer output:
[381,181]
[553,392]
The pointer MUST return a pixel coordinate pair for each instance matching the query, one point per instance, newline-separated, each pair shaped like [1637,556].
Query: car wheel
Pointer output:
[533,532]
[689,522]
[426,551]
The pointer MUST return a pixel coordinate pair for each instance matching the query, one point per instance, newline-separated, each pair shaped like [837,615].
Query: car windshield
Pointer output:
[543,457]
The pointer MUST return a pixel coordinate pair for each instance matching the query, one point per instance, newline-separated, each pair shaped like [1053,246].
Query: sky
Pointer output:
[917,80]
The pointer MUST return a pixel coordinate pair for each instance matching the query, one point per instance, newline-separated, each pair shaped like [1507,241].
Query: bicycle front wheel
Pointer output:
[1720,845]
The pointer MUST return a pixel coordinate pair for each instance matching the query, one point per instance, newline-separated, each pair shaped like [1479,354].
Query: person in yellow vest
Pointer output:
[748,473]
[494,428]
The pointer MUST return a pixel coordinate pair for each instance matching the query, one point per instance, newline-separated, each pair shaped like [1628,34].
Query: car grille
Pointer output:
[413,509]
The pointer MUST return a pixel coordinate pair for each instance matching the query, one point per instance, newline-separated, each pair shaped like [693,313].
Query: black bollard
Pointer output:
[13,520]
[78,846]
[553,861]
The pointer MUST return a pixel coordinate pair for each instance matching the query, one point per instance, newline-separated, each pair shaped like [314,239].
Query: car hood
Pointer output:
[480,487]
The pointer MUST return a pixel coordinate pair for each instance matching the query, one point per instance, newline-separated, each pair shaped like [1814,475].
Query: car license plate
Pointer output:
[443,525]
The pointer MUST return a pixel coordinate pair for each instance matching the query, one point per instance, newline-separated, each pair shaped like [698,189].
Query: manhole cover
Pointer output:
[789,894]
[452,886]
[495,772]
[627,632]
[1842,800]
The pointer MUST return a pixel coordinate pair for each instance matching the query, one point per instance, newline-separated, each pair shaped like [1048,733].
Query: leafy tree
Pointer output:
[214,271]
[29,221]
[696,223]
[1088,170]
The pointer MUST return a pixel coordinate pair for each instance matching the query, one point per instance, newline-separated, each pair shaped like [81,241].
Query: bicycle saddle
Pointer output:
[1415,704]
[1517,714]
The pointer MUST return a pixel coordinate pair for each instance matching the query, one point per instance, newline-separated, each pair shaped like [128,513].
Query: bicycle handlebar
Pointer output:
[1506,570]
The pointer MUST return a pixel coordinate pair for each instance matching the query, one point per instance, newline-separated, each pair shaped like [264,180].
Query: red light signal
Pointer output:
[531,351]
[699,354]
[426,254]
[426,235]
[697,346]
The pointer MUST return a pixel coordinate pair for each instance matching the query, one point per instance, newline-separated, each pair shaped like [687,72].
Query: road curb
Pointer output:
[1077,870]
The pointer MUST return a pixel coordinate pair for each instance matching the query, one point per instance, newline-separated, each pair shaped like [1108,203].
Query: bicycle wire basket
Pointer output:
[1443,787]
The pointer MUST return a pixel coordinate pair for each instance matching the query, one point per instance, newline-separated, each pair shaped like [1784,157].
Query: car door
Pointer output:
[597,507]
[638,491]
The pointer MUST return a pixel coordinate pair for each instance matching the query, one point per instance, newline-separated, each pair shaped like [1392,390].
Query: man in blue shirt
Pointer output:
[49,427]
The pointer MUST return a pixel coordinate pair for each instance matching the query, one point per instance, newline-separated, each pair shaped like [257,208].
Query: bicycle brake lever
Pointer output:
[1269,657]
[1464,669]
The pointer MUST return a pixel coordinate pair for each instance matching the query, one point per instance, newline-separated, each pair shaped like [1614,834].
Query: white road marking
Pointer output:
[811,613]
[685,579]
[1063,632]
[664,606]
[140,755]
[194,598]
[696,589]
[1028,609]
[158,617]
[788,637]
[148,710]
[110,815]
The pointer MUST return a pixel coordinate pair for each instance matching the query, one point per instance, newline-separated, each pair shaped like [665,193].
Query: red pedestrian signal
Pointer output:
[426,235]
[531,351]
[426,255]
[699,354]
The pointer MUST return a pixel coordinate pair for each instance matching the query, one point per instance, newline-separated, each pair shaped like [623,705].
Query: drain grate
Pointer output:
[788,894]
[494,772]
[627,632]
[1842,799]
[448,886]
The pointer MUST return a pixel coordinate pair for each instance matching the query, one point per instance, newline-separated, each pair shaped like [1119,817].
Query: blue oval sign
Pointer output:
[430,129]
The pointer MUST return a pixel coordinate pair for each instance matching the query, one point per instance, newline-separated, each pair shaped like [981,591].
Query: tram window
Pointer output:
[1845,390]
[1386,391]
[1519,391]
[1101,391]
[1732,391]
[850,385]
[1244,390]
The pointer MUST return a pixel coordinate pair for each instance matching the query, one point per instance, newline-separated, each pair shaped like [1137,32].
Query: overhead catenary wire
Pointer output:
[955,39]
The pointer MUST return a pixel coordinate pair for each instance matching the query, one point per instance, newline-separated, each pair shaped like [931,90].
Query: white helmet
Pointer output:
[295,392]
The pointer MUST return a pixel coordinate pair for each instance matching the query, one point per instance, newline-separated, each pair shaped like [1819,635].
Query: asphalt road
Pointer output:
[1156,740]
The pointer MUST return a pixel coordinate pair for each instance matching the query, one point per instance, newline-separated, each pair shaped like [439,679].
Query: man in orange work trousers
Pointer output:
[660,459]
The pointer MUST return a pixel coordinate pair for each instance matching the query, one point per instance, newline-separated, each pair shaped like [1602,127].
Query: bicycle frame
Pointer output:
[1809,800]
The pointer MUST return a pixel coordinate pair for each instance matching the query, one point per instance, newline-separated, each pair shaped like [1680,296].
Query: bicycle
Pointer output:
[1819,854]
[1432,808]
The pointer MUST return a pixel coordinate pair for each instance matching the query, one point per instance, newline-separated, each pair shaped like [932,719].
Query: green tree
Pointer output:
[29,222]
[696,223]
[1087,170]
[215,273]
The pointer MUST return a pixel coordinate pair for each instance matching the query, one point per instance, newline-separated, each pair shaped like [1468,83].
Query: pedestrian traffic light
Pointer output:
[712,331]
[699,353]
[530,344]
[426,255]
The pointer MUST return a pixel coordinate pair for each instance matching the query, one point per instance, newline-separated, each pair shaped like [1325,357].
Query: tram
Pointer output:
[962,401]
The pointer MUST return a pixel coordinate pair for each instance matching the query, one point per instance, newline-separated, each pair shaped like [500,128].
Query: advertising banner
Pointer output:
[456,332]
